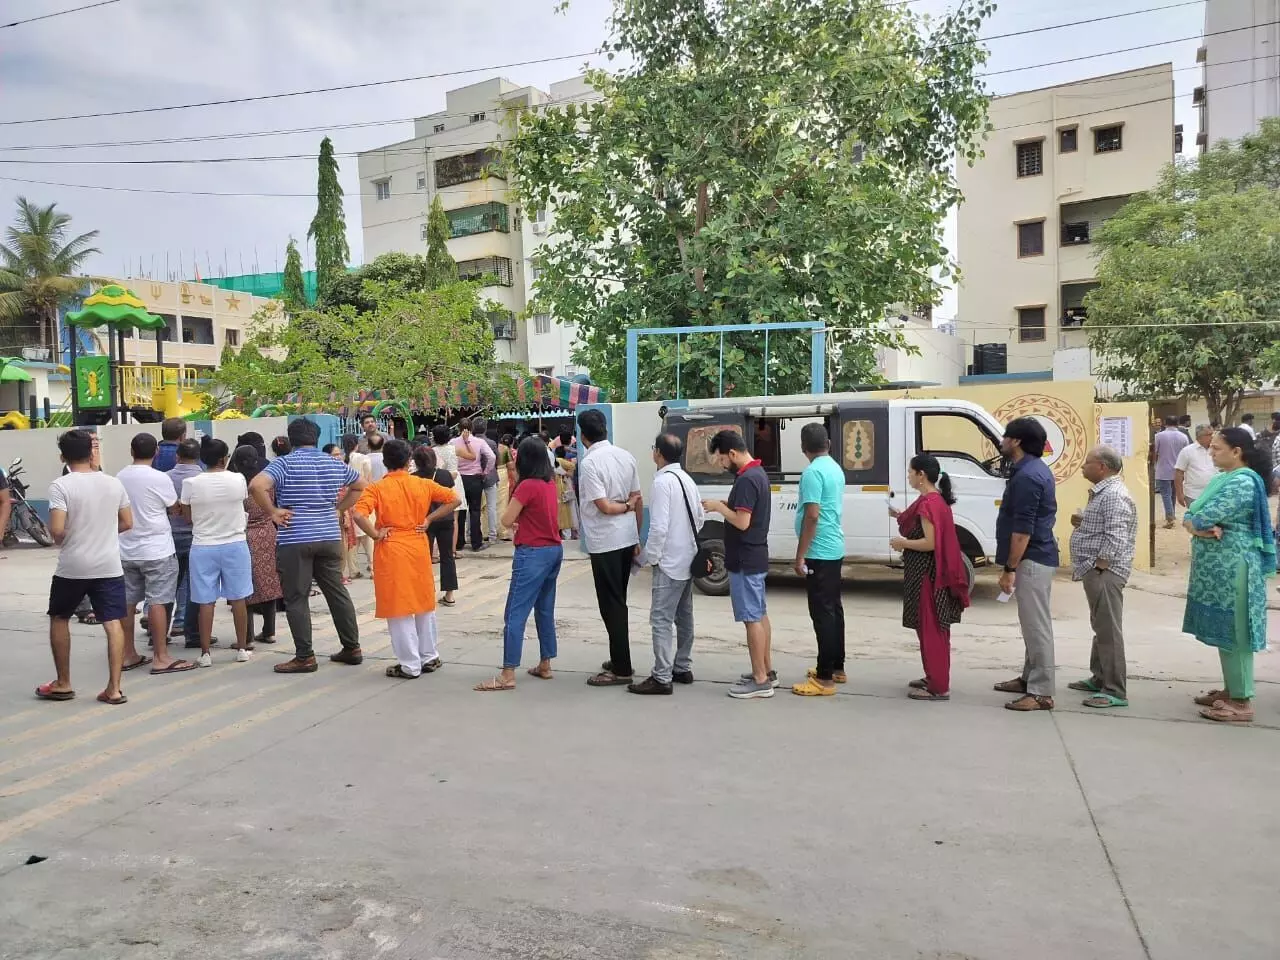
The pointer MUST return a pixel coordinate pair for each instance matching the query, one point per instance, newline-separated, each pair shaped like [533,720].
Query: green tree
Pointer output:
[1189,273]
[38,267]
[328,228]
[294,294]
[758,160]
[441,267]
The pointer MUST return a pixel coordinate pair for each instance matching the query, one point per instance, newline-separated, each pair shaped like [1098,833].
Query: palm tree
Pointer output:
[38,266]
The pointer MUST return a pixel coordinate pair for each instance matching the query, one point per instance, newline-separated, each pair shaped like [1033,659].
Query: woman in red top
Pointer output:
[532,512]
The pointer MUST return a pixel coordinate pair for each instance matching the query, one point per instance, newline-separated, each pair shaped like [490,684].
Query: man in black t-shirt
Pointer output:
[746,557]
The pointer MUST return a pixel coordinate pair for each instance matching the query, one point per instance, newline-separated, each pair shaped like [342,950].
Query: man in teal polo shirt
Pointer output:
[819,556]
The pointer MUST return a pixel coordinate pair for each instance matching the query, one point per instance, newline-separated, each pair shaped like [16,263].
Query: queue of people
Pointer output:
[235,528]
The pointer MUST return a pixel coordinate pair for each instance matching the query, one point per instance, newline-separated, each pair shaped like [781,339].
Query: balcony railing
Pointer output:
[466,167]
[491,271]
[478,218]
[503,323]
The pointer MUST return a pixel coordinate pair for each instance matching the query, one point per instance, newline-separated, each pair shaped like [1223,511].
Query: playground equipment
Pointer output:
[105,387]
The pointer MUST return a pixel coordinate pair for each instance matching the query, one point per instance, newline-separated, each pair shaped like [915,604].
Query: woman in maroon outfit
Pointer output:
[262,550]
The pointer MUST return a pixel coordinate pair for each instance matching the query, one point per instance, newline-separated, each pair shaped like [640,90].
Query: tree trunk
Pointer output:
[700,221]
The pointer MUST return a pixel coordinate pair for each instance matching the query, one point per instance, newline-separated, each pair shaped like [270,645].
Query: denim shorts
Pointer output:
[221,571]
[151,581]
[746,591]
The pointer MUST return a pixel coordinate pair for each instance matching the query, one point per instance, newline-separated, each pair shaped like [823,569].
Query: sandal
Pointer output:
[1016,685]
[1100,701]
[1029,703]
[921,684]
[447,603]
[535,672]
[1212,697]
[431,666]
[397,673]
[839,676]
[494,685]
[46,692]
[89,619]
[114,701]
[922,693]
[607,678]
[1086,686]
[1227,711]
[140,662]
[177,666]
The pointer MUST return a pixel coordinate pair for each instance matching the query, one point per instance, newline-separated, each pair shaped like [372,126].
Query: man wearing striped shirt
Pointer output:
[300,492]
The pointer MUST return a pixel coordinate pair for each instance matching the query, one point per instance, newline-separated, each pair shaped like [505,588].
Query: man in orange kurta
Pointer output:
[404,589]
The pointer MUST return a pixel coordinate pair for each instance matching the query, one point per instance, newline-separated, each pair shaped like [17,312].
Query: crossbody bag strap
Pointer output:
[684,495]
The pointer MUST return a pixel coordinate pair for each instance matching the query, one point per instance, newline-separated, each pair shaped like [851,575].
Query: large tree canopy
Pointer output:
[328,228]
[758,160]
[1189,295]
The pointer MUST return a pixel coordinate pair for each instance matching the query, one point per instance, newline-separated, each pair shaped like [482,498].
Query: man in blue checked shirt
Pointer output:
[300,492]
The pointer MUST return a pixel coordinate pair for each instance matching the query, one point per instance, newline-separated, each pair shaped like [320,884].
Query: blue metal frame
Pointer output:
[817,355]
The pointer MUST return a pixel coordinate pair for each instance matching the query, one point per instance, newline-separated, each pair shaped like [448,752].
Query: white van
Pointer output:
[872,439]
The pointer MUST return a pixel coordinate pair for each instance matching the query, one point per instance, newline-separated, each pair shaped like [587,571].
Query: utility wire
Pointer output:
[377,83]
[57,13]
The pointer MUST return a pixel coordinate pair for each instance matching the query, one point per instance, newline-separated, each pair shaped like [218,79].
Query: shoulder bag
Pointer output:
[703,563]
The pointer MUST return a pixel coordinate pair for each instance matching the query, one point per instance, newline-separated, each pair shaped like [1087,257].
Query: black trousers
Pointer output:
[612,572]
[267,611]
[440,534]
[827,613]
[300,563]
[473,489]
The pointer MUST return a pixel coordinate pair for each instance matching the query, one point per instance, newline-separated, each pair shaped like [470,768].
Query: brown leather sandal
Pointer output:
[1016,685]
[1029,703]
[1212,697]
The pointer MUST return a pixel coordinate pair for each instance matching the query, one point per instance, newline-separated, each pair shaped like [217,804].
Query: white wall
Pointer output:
[1241,73]
[941,359]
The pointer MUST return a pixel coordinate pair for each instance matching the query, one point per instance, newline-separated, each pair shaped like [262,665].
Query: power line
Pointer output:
[57,13]
[377,83]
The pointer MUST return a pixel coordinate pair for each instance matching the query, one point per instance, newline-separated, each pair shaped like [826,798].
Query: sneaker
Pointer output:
[352,657]
[650,687]
[679,677]
[244,656]
[206,660]
[750,677]
[748,689]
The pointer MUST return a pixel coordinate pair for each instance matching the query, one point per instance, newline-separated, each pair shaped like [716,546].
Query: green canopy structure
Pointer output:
[12,371]
[119,310]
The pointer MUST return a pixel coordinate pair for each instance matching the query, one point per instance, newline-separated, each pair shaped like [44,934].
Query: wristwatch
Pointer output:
[1009,569]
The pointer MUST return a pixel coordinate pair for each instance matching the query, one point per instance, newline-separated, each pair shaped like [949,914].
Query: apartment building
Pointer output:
[1059,162]
[454,154]
[1240,84]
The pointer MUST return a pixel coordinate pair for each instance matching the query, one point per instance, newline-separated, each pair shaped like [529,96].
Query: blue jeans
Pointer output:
[533,588]
[1165,489]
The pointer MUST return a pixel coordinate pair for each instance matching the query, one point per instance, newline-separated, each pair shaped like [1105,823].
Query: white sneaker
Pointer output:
[244,656]
[206,660]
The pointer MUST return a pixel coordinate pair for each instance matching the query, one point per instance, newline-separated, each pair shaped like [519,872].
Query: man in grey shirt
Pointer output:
[1165,448]
[186,612]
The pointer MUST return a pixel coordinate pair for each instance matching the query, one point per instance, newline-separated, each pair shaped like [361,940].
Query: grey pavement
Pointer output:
[233,813]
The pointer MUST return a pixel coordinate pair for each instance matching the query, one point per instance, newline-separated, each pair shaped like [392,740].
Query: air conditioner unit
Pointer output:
[539,227]
[504,331]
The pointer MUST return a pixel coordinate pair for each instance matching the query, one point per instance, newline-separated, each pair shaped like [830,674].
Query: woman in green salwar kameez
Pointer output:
[1233,552]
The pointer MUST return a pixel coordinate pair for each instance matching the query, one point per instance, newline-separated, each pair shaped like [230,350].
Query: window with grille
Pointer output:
[1030,324]
[1031,239]
[1068,140]
[477,117]
[382,189]
[1107,139]
[1031,159]
[543,371]
[542,323]
[491,271]
[232,337]
[422,179]
[422,231]
[479,218]
[438,128]
[465,167]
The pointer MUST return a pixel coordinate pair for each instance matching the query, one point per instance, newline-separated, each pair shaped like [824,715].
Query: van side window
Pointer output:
[764,445]
[698,462]
[956,436]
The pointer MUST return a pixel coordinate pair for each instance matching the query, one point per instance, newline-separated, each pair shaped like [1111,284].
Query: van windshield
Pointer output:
[958,436]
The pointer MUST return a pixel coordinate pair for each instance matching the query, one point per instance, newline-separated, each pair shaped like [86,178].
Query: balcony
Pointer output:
[478,218]
[503,323]
[466,167]
[490,271]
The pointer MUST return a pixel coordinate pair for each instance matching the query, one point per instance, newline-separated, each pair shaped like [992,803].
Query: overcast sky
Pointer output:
[143,53]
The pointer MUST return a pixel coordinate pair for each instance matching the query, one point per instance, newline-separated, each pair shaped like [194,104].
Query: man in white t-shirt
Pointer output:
[1194,467]
[148,557]
[220,567]
[87,512]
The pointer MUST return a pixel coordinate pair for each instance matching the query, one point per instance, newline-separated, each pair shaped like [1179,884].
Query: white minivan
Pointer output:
[872,439]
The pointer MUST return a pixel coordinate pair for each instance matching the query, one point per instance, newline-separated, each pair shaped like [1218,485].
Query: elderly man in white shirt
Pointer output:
[675,516]
[1194,467]
[608,495]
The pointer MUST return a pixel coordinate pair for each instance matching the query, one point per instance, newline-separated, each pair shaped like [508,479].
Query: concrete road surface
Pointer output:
[231,813]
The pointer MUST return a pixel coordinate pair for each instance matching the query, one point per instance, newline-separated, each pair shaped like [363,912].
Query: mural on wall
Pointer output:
[92,379]
[1068,438]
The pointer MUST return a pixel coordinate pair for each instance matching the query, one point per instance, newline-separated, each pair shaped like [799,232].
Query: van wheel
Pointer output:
[970,574]
[717,584]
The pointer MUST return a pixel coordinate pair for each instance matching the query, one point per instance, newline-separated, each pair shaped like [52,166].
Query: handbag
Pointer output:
[703,563]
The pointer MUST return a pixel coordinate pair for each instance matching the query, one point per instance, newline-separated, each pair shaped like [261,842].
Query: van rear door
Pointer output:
[860,444]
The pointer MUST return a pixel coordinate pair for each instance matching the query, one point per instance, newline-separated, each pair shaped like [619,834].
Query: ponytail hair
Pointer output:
[1256,458]
[932,470]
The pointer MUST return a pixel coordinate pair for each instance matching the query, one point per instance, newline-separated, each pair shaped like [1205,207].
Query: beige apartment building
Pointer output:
[454,154]
[1059,162]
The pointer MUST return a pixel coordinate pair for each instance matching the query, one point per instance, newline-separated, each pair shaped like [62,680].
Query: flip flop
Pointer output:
[1088,686]
[924,694]
[177,666]
[103,698]
[140,662]
[448,603]
[46,692]
[1100,701]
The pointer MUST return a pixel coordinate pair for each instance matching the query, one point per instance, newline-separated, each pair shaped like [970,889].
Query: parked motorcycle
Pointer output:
[23,519]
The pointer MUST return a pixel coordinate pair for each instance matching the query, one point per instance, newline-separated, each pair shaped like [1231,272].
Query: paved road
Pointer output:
[234,813]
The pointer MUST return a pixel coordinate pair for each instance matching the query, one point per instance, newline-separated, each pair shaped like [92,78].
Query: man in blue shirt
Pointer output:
[300,493]
[820,556]
[172,432]
[1028,553]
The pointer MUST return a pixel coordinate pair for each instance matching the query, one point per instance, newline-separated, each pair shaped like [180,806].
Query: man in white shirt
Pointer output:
[675,516]
[609,490]
[148,556]
[1246,423]
[376,466]
[87,512]
[1194,467]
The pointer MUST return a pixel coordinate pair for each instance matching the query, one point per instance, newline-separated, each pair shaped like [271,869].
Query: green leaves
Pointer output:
[329,226]
[294,293]
[761,160]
